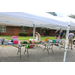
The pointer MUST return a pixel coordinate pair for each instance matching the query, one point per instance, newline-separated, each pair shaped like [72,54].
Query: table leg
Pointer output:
[63,46]
[52,49]
[47,49]
[19,50]
[51,45]
[44,48]
[60,47]
[27,52]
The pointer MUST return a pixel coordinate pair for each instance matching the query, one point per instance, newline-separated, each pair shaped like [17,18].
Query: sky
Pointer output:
[64,13]
[43,14]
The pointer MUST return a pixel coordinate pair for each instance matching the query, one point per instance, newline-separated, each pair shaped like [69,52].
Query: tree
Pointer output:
[52,13]
[72,16]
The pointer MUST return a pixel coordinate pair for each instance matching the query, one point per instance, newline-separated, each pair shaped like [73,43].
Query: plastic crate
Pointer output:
[10,43]
[54,41]
[15,39]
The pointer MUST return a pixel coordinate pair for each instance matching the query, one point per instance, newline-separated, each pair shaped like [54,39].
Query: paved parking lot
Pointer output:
[9,54]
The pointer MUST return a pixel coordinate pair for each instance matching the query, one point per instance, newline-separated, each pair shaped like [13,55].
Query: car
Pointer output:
[74,41]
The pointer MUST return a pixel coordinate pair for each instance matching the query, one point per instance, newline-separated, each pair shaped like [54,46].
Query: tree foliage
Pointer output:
[52,13]
[72,16]
[45,28]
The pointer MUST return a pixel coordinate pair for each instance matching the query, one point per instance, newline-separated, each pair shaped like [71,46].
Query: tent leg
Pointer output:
[33,31]
[60,32]
[67,33]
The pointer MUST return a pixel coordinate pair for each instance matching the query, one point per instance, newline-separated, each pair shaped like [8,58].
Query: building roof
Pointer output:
[3,24]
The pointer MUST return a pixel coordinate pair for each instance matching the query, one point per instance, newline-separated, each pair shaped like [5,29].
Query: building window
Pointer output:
[39,30]
[23,29]
[2,28]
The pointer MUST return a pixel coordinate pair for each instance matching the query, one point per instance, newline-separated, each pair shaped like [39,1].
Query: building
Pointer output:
[13,30]
[9,30]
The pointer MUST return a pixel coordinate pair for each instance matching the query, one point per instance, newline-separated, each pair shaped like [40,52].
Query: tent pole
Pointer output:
[33,31]
[66,43]
[60,32]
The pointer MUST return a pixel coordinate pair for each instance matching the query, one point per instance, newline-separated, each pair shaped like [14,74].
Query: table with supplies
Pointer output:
[49,44]
[30,45]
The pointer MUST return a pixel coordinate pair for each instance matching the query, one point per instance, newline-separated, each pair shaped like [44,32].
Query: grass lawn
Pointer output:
[26,37]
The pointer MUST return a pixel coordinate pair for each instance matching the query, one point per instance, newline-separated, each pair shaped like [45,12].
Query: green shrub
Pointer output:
[31,34]
[23,34]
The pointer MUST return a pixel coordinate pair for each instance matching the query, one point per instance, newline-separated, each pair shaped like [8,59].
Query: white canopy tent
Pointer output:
[49,21]
[70,21]
[20,18]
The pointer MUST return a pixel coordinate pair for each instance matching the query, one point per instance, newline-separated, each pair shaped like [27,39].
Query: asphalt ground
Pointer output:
[9,54]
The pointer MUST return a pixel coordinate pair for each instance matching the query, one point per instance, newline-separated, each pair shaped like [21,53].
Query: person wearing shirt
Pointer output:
[37,36]
[61,34]
[71,36]
[56,34]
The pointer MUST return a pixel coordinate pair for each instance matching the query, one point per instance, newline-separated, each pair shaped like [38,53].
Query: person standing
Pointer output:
[56,34]
[61,34]
[71,36]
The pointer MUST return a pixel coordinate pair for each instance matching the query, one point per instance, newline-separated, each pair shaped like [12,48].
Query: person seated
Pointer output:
[37,36]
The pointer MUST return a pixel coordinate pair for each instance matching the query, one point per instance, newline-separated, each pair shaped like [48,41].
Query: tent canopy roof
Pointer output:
[26,19]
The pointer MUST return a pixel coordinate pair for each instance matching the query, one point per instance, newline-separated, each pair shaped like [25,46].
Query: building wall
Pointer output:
[52,32]
[48,32]
[29,30]
[41,33]
[17,30]
[11,31]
